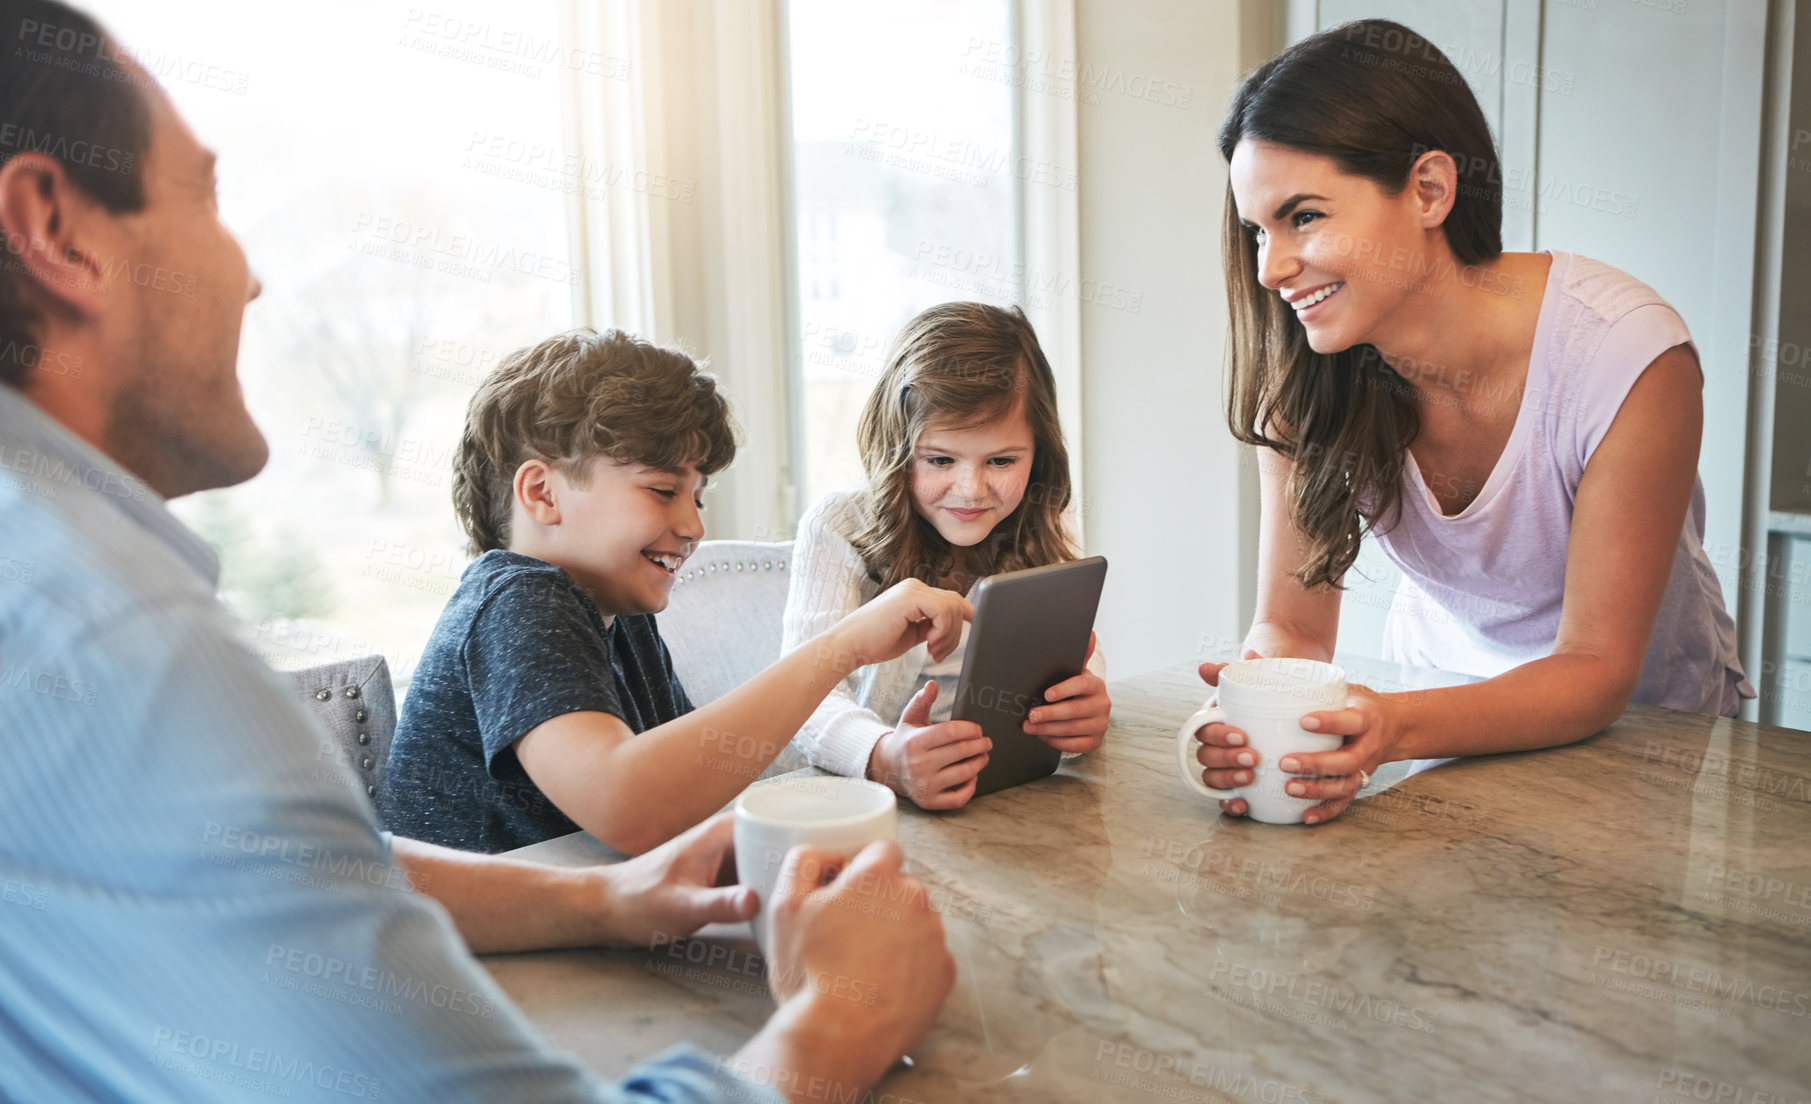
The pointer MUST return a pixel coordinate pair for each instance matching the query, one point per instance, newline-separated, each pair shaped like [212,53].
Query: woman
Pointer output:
[1518,431]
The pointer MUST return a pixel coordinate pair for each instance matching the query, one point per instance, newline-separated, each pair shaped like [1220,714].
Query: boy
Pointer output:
[545,701]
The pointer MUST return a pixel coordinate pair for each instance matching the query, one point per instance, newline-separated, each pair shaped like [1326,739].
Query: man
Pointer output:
[190,911]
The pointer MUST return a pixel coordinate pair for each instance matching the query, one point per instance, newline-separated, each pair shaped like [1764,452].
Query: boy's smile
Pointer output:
[621,530]
[667,561]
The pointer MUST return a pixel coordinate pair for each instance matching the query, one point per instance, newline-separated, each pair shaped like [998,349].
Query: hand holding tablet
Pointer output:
[1030,632]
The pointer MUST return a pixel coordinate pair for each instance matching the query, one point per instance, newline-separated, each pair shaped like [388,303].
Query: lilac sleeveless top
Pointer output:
[1481,590]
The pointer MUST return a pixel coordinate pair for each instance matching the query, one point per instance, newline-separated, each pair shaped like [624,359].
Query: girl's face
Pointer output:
[966,481]
[1344,254]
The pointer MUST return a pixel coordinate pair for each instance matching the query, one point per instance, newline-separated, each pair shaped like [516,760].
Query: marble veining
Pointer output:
[1625,919]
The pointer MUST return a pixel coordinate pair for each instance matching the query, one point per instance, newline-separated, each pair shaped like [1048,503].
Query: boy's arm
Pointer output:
[826,583]
[635,792]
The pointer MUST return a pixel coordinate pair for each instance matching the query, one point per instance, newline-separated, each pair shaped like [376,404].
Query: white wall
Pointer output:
[1165,497]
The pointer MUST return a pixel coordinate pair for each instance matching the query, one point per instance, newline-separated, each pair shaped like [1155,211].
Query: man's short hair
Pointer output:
[573,398]
[66,91]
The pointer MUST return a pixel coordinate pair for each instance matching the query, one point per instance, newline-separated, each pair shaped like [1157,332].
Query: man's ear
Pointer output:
[535,492]
[48,226]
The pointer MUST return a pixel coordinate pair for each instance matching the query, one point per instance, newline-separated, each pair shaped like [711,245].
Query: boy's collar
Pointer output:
[609,618]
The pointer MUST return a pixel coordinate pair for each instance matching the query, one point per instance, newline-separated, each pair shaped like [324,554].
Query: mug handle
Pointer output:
[1185,752]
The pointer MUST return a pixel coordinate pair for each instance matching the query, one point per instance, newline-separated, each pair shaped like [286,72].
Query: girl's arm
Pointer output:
[1626,522]
[826,580]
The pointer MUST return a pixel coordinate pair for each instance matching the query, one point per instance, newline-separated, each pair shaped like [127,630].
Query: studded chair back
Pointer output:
[357,708]
[722,623]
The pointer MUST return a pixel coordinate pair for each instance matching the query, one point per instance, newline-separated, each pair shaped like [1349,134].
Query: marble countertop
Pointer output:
[1624,919]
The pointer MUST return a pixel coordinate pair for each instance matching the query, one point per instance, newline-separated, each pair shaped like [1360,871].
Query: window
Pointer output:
[904,139]
[396,177]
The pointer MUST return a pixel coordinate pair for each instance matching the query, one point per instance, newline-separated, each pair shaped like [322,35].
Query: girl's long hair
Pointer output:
[1373,96]
[970,363]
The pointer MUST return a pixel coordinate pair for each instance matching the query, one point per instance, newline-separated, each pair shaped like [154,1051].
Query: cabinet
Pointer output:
[1783,582]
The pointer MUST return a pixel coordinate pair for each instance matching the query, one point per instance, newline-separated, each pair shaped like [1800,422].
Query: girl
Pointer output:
[1519,431]
[967,476]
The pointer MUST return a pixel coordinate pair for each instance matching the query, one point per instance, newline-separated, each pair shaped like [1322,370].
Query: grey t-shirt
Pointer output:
[519,643]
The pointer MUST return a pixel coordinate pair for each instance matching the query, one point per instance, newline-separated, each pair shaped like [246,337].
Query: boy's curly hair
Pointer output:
[572,398]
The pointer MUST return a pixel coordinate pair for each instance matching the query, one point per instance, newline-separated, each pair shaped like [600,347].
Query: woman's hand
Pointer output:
[1368,723]
[1222,751]
[1080,722]
[933,764]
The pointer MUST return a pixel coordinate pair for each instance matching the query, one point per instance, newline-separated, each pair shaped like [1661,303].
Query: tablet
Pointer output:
[1030,632]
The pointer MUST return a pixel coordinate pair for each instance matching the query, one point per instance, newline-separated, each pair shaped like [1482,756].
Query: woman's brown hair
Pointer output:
[970,363]
[1374,97]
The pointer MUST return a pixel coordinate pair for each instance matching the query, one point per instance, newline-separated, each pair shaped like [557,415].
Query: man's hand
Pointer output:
[676,888]
[503,904]
[859,966]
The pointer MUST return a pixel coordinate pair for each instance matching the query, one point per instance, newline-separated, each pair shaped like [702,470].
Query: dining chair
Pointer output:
[722,621]
[357,708]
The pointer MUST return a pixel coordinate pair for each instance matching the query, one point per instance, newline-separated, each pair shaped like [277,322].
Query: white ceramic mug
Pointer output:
[1265,699]
[842,815]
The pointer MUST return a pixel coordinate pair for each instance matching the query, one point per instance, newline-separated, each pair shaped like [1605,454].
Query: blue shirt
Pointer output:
[191,909]
[518,644]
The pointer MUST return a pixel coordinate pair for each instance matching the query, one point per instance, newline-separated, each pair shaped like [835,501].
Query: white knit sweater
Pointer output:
[829,581]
